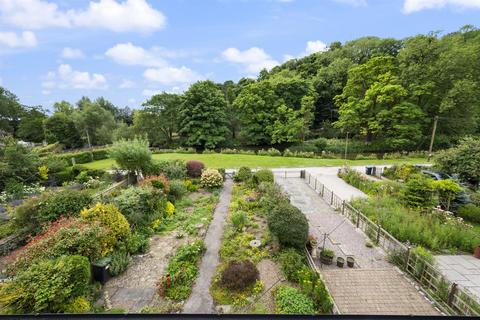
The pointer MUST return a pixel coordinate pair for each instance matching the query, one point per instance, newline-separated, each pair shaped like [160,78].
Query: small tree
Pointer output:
[132,155]
[447,191]
[289,225]
[418,192]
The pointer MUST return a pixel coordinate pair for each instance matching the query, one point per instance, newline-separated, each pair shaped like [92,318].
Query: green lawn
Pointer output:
[231,161]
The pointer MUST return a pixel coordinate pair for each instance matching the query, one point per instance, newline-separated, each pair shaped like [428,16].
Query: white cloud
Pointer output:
[410,6]
[67,78]
[127,84]
[129,54]
[119,16]
[311,47]
[171,75]
[71,53]
[253,59]
[26,39]
[355,3]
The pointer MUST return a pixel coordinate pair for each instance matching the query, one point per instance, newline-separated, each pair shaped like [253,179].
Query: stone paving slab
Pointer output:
[376,291]
[461,269]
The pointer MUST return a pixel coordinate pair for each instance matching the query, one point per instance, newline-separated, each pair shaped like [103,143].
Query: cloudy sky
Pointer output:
[127,50]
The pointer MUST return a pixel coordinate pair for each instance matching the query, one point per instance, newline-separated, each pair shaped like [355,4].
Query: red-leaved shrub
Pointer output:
[195,168]
[239,274]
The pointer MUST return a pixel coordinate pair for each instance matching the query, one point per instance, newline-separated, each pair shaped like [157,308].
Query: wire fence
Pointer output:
[447,295]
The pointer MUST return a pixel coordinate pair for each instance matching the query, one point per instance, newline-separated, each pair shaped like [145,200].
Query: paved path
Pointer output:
[346,239]
[385,292]
[463,270]
[200,301]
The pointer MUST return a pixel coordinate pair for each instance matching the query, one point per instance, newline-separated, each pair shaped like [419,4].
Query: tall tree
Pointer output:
[10,112]
[203,119]
[61,128]
[31,125]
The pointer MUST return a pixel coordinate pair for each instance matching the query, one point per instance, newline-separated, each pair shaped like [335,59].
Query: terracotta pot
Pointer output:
[476,252]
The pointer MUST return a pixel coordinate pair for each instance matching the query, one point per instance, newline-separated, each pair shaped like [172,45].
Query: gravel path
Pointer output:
[346,239]
[200,301]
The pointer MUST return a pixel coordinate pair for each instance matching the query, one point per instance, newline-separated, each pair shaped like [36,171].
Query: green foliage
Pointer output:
[203,120]
[289,300]
[272,152]
[263,175]
[177,190]
[47,286]
[418,192]
[447,191]
[239,219]
[211,178]
[137,243]
[61,128]
[463,160]
[78,305]
[355,178]
[469,212]
[419,228]
[291,262]
[312,285]
[132,155]
[243,174]
[63,203]
[182,267]
[289,225]
[120,261]
[173,169]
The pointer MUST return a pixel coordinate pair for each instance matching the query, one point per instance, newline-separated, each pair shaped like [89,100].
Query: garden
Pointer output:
[263,267]
[65,231]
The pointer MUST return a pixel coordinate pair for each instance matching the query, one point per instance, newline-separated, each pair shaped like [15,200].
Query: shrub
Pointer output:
[137,243]
[211,178]
[173,169]
[64,203]
[109,216]
[46,286]
[159,182]
[78,305]
[289,225]
[195,168]
[243,174]
[263,175]
[289,300]
[355,178]
[132,155]
[26,217]
[120,261]
[312,285]
[272,152]
[239,275]
[141,206]
[239,220]
[178,189]
[291,261]
[191,187]
[65,236]
[418,192]
[469,212]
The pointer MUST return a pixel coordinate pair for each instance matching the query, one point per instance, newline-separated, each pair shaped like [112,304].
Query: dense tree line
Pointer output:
[384,91]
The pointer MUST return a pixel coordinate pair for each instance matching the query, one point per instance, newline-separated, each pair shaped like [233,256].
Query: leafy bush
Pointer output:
[469,212]
[272,152]
[64,203]
[239,275]
[137,243]
[78,305]
[46,286]
[65,236]
[182,268]
[159,182]
[132,155]
[263,175]
[243,174]
[141,206]
[173,169]
[312,285]
[239,219]
[195,168]
[289,300]
[120,261]
[177,190]
[289,225]
[109,216]
[191,187]
[211,178]
[291,261]
[418,192]
[355,178]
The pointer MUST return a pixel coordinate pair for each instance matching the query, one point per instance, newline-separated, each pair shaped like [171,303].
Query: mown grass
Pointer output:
[233,161]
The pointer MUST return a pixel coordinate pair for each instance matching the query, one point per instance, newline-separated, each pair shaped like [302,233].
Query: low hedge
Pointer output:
[84,156]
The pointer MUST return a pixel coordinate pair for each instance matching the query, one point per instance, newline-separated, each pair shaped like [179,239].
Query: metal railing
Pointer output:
[447,295]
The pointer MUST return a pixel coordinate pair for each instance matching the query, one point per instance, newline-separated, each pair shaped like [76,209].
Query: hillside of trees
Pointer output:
[385,92]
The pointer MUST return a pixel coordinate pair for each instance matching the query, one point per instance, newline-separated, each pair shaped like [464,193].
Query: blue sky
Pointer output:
[126,50]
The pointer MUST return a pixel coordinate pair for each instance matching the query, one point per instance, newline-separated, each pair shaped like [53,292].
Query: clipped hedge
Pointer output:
[84,156]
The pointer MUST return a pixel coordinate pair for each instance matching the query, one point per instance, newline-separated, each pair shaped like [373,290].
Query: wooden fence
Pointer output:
[447,295]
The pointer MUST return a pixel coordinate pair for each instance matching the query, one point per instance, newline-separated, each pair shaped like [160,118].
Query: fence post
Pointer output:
[358,219]
[343,207]
[323,189]
[331,198]
[315,185]
[407,258]
[451,294]
[379,230]
[309,176]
